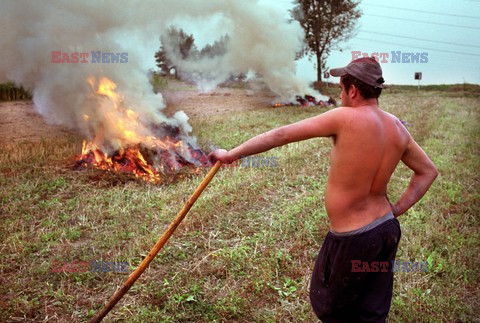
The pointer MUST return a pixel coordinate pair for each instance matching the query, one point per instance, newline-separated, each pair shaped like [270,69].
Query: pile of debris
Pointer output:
[307,101]
[168,152]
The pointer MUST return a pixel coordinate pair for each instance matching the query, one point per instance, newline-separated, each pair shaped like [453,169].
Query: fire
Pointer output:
[122,143]
[128,160]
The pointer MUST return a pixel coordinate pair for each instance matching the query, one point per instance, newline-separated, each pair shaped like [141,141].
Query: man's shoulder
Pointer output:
[341,112]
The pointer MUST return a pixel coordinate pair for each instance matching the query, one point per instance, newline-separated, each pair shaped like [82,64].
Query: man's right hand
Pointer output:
[221,155]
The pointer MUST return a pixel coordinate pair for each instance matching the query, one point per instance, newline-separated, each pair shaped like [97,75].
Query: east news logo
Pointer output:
[96,57]
[95,266]
[396,56]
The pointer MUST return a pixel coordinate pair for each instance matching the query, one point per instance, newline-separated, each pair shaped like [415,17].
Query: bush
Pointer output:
[9,92]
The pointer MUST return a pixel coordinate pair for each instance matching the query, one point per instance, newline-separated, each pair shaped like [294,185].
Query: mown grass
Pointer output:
[246,250]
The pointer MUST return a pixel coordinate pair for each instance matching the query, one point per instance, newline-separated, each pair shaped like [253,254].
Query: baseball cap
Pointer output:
[366,69]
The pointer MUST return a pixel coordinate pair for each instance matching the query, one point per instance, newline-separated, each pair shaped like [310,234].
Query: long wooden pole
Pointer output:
[156,248]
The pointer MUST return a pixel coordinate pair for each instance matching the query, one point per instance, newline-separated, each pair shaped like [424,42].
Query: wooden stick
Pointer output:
[156,248]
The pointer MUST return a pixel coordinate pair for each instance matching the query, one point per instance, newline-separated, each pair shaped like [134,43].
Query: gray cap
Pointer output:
[366,69]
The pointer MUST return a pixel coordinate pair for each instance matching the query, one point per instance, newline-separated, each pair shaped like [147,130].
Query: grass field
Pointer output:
[246,250]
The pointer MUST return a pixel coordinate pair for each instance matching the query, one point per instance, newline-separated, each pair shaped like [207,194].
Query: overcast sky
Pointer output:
[449,31]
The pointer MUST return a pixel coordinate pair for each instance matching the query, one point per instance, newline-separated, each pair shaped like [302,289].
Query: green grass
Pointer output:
[246,249]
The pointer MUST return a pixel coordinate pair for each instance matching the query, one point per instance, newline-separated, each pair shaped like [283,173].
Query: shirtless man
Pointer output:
[368,143]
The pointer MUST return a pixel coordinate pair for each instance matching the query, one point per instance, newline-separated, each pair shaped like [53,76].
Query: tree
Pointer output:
[163,62]
[174,43]
[218,48]
[326,24]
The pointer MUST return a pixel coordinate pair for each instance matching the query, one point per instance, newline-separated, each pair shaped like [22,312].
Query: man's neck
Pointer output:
[365,102]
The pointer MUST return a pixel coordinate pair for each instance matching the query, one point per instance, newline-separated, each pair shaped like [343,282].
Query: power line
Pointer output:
[434,49]
[422,39]
[423,22]
[424,11]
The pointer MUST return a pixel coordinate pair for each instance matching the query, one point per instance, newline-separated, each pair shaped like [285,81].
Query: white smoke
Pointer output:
[261,40]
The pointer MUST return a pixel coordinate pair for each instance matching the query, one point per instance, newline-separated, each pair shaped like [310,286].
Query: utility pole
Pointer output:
[326,75]
[418,76]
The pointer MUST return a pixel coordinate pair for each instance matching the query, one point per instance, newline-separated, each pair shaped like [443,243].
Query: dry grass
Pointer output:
[246,250]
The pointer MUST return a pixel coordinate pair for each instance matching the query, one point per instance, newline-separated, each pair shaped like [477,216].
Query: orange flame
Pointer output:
[121,123]
[128,160]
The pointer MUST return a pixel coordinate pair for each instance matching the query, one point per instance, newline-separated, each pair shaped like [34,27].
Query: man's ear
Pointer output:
[353,91]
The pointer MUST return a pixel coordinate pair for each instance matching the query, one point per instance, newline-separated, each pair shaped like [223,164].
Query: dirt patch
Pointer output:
[222,100]
[20,122]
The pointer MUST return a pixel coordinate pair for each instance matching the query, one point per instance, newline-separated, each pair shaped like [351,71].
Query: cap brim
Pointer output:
[338,71]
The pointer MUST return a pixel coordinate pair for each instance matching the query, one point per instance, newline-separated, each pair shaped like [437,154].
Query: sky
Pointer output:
[447,31]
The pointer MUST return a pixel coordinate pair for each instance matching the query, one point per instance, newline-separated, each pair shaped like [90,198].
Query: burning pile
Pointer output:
[306,101]
[146,162]
[146,152]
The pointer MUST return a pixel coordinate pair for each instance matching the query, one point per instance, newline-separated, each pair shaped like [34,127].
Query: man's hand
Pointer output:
[392,206]
[221,155]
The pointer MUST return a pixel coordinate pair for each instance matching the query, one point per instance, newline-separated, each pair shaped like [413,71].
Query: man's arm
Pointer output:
[424,173]
[323,125]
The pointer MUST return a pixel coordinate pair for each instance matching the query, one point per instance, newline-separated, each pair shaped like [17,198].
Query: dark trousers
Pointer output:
[352,280]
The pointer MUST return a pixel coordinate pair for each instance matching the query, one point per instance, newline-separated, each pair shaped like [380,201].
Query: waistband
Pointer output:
[366,228]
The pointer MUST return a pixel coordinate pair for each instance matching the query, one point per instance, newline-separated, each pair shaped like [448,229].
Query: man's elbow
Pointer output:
[427,174]
[433,173]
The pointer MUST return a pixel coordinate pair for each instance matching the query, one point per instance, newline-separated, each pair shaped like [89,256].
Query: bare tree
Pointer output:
[326,24]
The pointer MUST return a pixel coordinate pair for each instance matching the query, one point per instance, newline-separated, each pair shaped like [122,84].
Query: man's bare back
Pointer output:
[365,153]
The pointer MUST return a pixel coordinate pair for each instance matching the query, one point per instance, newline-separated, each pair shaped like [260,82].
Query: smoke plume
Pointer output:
[261,40]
